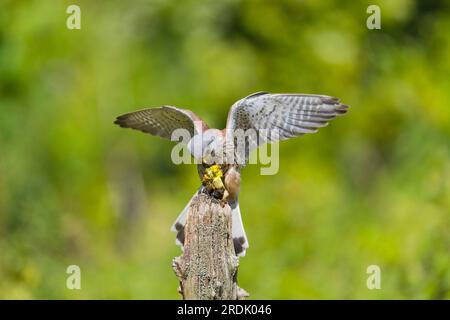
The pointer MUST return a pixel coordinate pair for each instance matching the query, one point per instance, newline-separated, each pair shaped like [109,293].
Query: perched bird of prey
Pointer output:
[282,115]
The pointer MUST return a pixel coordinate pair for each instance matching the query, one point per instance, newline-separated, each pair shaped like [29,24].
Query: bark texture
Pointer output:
[207,270]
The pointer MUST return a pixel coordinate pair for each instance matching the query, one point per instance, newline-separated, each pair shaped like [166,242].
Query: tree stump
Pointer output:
[207,270]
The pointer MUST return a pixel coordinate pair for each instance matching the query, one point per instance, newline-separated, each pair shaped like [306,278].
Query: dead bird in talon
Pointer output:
[283,115]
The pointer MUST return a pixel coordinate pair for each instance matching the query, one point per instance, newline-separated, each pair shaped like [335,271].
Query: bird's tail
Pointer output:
[178,225]
[239,237]
[238,233]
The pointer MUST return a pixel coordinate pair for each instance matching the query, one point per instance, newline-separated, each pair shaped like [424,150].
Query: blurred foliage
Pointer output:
[372,188]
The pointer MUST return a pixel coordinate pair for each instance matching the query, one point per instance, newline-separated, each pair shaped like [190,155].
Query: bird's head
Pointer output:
[206,145]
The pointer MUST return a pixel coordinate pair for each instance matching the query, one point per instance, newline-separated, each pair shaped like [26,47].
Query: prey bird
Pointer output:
[284,115]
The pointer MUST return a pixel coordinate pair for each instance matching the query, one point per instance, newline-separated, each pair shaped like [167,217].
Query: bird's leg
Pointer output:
[226,194]
[225,197]
[232,181]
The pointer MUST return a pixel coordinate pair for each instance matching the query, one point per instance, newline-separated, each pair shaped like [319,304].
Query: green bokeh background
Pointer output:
[371,188]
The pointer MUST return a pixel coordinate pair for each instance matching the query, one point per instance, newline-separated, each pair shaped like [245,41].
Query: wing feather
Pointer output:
[162,121]
[291,115]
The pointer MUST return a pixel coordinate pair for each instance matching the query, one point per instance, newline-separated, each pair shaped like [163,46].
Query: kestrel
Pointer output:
[282,115]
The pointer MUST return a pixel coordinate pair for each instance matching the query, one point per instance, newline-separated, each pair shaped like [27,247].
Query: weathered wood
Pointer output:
[207,270]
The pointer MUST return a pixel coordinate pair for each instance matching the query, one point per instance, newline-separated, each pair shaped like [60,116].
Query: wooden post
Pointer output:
[207,270]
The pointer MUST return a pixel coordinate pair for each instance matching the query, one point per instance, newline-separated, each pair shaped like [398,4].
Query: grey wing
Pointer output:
[277,117]
[162,121]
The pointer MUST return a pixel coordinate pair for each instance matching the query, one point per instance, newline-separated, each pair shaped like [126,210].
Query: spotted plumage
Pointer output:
[281,116]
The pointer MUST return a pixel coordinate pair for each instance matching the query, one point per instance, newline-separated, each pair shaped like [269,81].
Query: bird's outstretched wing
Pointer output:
[162,121]
[283,116]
